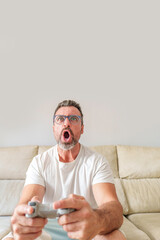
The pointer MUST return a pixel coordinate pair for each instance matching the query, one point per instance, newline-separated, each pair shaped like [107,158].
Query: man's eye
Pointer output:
[74,119]
[60,119]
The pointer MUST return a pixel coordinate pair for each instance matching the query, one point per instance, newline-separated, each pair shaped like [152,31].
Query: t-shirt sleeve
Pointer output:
[103,172]
[34,174]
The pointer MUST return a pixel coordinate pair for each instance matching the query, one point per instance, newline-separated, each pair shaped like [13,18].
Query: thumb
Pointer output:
[35,199]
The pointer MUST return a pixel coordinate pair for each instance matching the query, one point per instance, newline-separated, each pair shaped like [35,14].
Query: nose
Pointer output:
[66,122]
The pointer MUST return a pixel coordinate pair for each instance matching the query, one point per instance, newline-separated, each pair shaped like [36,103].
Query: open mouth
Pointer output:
[66,134]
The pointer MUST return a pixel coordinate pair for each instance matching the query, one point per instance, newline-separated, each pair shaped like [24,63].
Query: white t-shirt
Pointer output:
[77,177]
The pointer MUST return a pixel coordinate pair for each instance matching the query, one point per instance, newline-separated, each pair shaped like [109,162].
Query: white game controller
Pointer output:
[47,211]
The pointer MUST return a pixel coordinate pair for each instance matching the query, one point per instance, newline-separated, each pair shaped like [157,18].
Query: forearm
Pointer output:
[30,191]
[109,216]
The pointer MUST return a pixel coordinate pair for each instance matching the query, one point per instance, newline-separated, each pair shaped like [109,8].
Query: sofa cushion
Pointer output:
[42,149]
[147,222]
[132,232]
[14,161]
[10,195]
[143,195]
[139,171]
[138,162]
[4,226]
[121,195]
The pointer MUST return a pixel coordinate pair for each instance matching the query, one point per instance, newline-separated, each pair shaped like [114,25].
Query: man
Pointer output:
[71,176]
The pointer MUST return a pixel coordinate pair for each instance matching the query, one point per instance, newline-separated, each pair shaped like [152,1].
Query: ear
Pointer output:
[82,129]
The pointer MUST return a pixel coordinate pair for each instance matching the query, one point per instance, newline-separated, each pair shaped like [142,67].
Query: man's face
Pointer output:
[67,134]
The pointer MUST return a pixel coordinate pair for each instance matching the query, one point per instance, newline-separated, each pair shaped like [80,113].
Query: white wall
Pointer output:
[103,54]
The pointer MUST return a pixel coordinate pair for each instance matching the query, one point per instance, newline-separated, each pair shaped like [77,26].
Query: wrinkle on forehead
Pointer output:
[68,110]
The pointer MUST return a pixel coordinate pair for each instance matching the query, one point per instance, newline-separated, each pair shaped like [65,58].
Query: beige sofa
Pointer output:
[137,178]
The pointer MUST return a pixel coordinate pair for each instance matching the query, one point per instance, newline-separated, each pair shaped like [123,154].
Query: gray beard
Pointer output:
[67,146]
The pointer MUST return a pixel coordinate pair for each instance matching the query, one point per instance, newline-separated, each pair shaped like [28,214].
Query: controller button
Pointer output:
[32,203]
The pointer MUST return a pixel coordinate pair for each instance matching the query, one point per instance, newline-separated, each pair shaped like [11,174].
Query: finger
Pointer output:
[23,209]
[35,199]
[79,235]
[74,232]
[70,203]
[76,196]
[36,222]
[73,227]
[30,236]
[18,229]
[74,235]
[24,221]
[73,217]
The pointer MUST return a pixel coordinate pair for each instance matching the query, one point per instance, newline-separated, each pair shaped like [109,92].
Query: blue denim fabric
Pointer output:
[55,230]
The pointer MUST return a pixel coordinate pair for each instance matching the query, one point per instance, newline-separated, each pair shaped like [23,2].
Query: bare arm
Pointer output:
[30,191]
[109,212]
[27,228]
[86,223]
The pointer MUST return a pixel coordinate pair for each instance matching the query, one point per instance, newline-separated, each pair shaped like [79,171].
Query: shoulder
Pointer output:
[49,152]
[99,166]
[92,155]
[90,152]
[45,156]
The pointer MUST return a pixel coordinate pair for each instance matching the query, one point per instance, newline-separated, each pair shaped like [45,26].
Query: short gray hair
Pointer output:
[70,103]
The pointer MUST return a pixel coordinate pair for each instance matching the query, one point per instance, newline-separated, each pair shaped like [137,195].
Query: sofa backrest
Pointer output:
[14,162]
[136,172]
[139,169]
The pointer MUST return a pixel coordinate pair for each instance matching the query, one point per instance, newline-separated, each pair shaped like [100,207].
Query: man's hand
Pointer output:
[82,224]
[24,228]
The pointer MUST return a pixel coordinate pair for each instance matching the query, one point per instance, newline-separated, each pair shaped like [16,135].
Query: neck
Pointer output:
[68,155]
